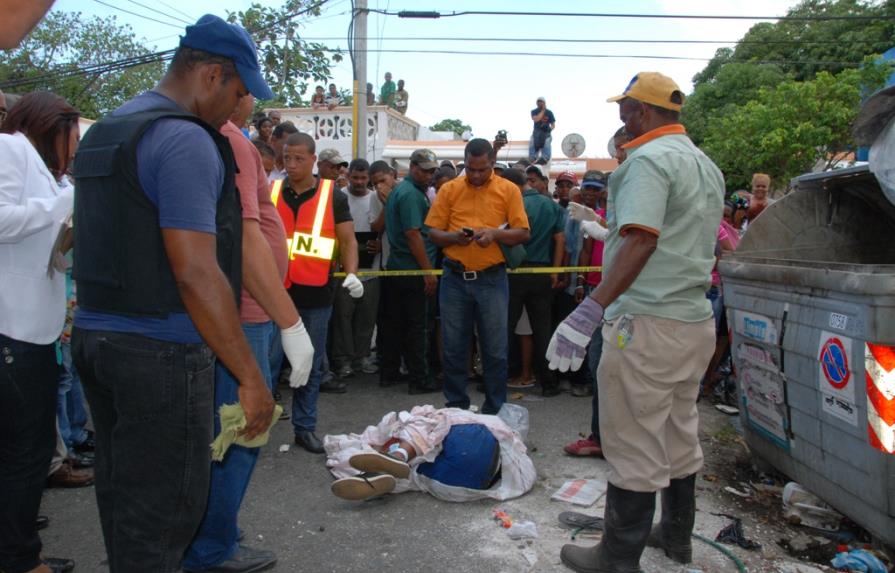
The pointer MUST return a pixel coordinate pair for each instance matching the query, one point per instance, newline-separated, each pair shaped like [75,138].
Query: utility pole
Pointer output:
[359,119]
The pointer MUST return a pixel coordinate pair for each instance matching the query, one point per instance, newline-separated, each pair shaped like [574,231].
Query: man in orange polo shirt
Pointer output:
[470,218]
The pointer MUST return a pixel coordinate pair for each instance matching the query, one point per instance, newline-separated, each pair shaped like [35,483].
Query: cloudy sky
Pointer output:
[491,91]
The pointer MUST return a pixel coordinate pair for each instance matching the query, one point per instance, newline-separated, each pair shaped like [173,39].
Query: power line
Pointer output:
[181,12]
[112,6]
[596,40]
[151,9]
[818,18]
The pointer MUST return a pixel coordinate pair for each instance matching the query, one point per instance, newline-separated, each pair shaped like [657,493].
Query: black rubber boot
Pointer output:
[628,518]
[673,533]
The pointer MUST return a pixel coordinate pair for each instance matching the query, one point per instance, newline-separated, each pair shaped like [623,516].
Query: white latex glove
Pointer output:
[354,286]
[299,350]
[594,230]
[580,212]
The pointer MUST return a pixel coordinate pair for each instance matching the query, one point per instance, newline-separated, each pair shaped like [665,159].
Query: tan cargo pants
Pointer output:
[648,390]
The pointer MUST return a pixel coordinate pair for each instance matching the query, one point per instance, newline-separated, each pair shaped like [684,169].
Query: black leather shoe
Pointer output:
[59,565]
[245,560]
[42,522]
[81,461]
[309,441]
[334,386]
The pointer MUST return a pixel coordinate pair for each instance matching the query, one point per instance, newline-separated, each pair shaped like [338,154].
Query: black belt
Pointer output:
[458,268]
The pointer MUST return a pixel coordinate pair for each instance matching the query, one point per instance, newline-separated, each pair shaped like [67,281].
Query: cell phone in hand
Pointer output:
[468,232]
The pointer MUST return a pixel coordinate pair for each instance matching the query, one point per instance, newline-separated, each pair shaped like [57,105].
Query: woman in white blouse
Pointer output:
[38,139]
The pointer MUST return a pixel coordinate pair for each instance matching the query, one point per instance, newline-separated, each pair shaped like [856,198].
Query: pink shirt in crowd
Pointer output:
[722,236]
[254,194]
[596,257]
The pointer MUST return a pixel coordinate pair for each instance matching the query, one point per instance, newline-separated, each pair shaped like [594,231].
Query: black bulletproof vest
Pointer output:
[121,266]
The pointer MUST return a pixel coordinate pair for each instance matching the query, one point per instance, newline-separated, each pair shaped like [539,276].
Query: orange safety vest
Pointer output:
[310,234]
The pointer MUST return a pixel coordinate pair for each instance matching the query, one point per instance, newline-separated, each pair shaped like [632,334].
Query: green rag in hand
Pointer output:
[233,421]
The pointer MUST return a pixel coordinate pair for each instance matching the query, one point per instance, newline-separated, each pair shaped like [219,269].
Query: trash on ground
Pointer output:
[858,560]
[284,448]
[733,535]
[809,547]
[523,530]
[737,492]
[576,520]
[801,507]
[725,409]
[581,491]
[502,517]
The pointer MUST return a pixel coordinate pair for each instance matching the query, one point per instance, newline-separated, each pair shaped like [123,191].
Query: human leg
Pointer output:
[216,541]
[343,311]
[392,333]
[539,301]
[594,352]
[160,421]
[365,321]
[304,399]
[457,316]
[29,379]
[414,333]
[491,297]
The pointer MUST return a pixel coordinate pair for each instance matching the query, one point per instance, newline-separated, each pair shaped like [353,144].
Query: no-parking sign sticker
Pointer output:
[835,378]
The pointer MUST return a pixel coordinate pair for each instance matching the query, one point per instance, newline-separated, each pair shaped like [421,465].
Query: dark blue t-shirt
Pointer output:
[545,122]
[181,172]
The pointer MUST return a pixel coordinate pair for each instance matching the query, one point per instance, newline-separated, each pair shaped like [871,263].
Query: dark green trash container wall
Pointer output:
[810,298]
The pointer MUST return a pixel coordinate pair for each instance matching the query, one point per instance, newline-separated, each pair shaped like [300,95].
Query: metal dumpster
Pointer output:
[810,297]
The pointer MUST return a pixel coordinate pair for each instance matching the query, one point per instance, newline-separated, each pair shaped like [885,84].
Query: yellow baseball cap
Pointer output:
[653,88]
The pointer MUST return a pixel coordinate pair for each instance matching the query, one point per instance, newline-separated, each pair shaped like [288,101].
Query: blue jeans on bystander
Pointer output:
[304,399]
[481,302]
[216,540]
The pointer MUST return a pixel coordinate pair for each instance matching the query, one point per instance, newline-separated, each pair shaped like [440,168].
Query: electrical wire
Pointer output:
[818,18]
[112,6]
[602,41]
[181,12]
[151,9]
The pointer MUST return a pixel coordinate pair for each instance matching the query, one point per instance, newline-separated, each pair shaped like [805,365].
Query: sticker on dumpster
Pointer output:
[763,399]
[837,390]
[879,374]
[838,321]
[756,327]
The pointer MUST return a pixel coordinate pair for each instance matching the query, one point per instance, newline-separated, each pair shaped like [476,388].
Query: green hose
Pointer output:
[740,566]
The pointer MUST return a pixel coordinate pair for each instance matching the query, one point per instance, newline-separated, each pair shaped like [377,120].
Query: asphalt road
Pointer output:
[289,508]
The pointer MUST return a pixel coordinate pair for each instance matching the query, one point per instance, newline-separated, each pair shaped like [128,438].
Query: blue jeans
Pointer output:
[215,542]
[304,399]
[482,302]
[545,151]
[594,352]
[152,403]
[715,297]
[70,409]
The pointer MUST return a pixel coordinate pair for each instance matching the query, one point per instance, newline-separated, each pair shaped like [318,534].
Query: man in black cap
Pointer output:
[159,236]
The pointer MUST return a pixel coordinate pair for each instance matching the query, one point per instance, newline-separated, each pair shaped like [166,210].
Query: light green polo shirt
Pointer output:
[667,184]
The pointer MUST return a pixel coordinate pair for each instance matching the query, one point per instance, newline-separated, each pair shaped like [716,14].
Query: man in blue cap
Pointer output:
[159,267]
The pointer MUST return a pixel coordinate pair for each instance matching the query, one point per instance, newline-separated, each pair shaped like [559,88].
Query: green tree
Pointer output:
[51,55]
[290,63]
[455,125]
[788,129]
[734,84]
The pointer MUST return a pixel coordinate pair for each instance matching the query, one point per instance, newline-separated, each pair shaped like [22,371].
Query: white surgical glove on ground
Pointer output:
[299,350]
[354,286]
[594,230]
[580,212]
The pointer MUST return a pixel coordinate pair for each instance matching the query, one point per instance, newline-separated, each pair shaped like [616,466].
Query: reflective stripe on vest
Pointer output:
[310,234]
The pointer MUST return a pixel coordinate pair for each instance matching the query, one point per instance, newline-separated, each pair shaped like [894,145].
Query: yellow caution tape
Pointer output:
[439,272]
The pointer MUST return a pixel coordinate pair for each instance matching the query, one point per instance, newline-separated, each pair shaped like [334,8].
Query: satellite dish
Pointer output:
[573,145]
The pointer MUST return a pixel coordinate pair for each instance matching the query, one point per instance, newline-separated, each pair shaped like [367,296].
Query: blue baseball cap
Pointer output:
[213,35]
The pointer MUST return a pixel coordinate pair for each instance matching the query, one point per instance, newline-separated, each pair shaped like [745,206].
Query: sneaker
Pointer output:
[345,372]
[368,366]
[583,448]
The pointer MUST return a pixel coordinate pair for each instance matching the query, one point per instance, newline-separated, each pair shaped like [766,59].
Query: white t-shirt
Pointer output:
[364,210]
